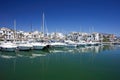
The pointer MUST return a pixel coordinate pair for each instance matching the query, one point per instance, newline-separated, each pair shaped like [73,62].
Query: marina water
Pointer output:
[82,63]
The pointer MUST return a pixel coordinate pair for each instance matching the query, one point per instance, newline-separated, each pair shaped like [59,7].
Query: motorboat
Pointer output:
[38,45]
[23,46]
[8,46]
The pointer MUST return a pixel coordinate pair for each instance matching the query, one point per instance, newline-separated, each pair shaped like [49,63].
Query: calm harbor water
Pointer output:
[83,63]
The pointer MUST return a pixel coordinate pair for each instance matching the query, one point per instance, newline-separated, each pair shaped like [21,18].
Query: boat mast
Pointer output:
[31,30]
[43,24]
[14,30]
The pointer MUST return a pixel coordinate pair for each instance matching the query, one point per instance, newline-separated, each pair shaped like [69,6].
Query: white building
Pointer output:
[6,34]
[97,37]
[57,35]
[36,35]
[31,35]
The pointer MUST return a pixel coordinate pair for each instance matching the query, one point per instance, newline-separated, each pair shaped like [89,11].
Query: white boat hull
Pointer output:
[38,47]
[23,48]
[8,49]
[58,45]
[71,46]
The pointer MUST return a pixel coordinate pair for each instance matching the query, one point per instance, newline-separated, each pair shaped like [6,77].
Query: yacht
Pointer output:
[71,44]
[38,45]
[8,46]
[58,44]
[23,46]
[91,43]
[81,44]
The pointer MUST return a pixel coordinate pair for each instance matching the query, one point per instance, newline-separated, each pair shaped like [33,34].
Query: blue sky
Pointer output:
[62,15]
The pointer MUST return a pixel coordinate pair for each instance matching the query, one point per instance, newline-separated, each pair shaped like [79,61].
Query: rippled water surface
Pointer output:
[83,63]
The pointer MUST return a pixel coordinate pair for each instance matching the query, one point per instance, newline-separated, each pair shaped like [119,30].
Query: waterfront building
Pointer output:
[10,35]
[57,36]
[19,35]
[36,35]
[73,36]
[108,37]
[78,36]
[95,36]
[6,34]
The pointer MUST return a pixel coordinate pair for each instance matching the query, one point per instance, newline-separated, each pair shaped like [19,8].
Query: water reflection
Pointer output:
[37,64]
[92,49]
[8,55]
[39,53]
[27,54]
[85,49]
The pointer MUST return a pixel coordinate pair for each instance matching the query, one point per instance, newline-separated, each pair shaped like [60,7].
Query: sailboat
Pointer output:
[39,45]
[24,45]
